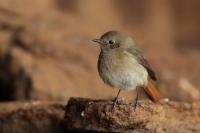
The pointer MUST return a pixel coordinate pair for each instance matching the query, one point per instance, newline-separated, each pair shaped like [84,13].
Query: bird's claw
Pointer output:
[136,104]
[115,102]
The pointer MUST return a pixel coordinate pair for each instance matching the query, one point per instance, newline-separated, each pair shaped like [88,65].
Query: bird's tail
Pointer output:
[152,92]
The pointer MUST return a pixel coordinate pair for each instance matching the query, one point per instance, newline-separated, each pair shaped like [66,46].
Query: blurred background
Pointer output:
[46,51]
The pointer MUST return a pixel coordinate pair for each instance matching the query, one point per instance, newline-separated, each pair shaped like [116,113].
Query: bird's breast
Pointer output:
[121,70]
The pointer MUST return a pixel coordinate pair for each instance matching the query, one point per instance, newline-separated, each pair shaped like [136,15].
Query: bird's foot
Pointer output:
[116,101]
[137,103]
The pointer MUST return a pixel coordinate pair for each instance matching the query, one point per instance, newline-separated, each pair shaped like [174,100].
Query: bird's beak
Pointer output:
[97,41]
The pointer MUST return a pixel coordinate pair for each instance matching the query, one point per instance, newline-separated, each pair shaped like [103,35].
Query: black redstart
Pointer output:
[121,65]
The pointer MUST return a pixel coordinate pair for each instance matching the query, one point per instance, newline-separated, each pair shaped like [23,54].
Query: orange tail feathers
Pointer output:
[152,92]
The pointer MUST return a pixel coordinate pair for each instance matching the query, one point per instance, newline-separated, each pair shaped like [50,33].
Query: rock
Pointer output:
[83,115]
[32,117]
[99,115]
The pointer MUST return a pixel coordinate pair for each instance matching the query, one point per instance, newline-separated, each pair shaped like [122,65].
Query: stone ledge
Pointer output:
[99,115]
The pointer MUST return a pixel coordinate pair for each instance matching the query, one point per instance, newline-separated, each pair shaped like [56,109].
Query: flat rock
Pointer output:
[31,117]
[99,115]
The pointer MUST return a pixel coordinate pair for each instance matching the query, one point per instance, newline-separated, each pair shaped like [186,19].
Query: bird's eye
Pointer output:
[111,42]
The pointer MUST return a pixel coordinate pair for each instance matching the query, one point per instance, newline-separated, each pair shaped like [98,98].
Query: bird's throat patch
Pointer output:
[113,46]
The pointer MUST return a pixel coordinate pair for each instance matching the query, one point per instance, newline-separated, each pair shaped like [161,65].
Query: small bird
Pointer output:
[121,65]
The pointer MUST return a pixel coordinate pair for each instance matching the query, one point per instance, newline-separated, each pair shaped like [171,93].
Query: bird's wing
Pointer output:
[142,60]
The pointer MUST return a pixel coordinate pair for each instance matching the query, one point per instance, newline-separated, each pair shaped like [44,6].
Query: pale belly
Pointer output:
[124,73]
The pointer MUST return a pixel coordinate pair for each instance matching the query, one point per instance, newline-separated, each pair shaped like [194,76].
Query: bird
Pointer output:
[122,65]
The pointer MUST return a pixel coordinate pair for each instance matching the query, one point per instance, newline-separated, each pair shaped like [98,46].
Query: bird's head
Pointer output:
[113,40]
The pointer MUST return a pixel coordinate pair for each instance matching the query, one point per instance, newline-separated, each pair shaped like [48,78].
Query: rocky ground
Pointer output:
[46,52]
[91,116]
[31,117]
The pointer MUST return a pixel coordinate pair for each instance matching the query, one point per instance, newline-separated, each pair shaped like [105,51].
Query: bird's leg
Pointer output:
[116,98]
[136,102]
[136,99]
